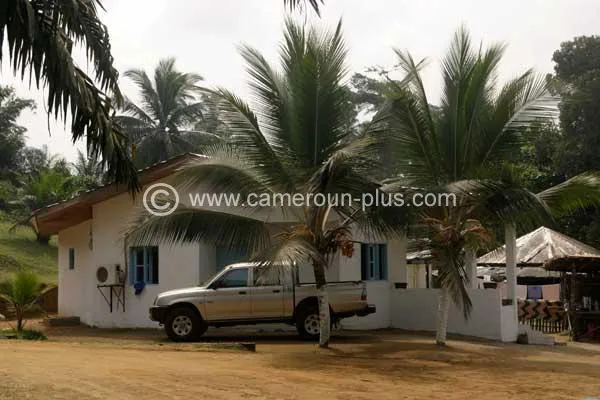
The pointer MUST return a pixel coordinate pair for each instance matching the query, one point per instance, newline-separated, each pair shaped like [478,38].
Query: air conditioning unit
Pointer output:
[110,275]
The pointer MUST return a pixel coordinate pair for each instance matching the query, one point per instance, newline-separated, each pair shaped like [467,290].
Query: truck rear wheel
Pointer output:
[308,324]
[184,325]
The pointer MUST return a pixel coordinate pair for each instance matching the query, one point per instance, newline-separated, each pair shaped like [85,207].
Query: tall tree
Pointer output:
[577,80]
[89,169]
[468,146]
[12,135]
[47,187]
[294,140]
[170,106]
[41,35]
[37,159]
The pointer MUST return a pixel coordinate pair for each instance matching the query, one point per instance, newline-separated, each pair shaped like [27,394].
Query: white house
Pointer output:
[90,228]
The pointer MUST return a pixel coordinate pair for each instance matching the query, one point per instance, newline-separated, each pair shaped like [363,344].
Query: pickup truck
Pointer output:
[244,294]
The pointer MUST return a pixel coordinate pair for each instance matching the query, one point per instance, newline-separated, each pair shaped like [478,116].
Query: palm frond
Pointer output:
[192,225]
[580,192]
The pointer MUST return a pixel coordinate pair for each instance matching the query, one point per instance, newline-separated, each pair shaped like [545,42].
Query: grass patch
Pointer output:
[26,334]
[21,249]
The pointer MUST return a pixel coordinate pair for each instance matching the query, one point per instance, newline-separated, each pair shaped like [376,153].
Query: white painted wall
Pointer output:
[71,299]
[415,309]
[510,323]
[179,266]
[379,294]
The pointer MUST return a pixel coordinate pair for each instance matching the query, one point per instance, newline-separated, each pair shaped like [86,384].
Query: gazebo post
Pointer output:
[510,238]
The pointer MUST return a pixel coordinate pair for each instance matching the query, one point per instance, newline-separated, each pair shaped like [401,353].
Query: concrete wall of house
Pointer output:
[415,309]
[72,293]
[378,292]
[179,266]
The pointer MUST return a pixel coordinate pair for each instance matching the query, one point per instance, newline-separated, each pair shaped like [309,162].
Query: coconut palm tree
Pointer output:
[293,139]
[170,106]
[465,146]
[301,4]
[40,37]
[21,293]
[89,169]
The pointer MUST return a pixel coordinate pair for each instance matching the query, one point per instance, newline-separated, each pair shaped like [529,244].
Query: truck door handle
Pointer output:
[276,290]
[242,292]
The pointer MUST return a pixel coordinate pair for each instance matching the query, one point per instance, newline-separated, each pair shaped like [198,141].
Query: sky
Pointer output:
[203,35]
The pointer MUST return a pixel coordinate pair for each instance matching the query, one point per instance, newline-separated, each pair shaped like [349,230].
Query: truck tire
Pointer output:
[308,324]
[184,325]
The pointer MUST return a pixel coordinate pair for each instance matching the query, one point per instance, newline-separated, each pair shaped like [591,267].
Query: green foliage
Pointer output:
[577,80]
[89,171]
[22,292]
[40,36]
[20,250]
[25,334]
[12,135]
[302,4]
[162,125]
[476,145]
[294,140]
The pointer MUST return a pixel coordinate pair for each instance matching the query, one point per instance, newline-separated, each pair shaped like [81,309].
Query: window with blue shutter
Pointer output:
[143,265]
[373,260]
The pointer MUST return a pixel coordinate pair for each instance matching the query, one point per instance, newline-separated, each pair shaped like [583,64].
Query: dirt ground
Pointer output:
[84,363]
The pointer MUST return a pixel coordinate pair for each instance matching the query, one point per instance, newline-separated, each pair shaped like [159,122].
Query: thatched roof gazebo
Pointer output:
[533,250]
[580,284]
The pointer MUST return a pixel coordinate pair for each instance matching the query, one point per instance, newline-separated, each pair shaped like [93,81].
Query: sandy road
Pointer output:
[374,366]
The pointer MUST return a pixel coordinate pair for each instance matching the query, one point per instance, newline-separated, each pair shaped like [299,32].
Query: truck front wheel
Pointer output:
[308,324]
[184,325]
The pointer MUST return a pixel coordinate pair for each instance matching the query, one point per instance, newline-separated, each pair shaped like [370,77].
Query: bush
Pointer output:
[26,334]
[32,334]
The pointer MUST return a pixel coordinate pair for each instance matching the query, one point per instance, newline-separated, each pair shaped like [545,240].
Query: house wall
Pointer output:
[415,309]
[378,292]
[71,297]
[179,266]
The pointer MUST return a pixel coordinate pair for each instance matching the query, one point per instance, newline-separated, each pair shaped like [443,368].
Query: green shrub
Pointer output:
[32,334]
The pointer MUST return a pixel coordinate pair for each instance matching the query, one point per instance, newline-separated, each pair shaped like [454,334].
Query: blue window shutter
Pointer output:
[364,261]
[375,262]
[131,266]
[383,259]
[146,266]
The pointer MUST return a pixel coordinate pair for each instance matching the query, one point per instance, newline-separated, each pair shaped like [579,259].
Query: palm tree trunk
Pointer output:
[442,317]
[19,316]
[323,299]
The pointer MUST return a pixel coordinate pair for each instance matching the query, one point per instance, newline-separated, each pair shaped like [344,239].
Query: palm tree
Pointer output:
[301,4]
[47,187]
[465,146]
[293,140]
[89,169]
[22,293]
[40,37]
[170,106]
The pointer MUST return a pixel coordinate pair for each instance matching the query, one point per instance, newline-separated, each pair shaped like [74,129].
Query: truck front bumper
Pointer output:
[158,313]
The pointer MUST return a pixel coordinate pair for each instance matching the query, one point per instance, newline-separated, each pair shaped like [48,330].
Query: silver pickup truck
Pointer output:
[243,294]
